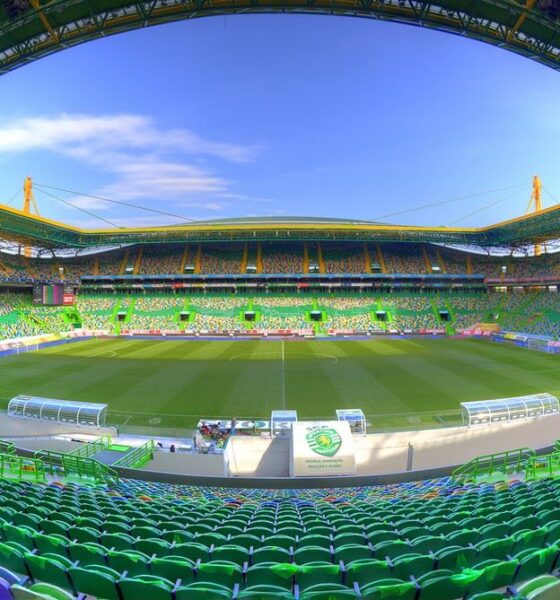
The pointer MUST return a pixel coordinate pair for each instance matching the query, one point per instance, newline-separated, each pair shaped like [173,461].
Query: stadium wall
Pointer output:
[398,452]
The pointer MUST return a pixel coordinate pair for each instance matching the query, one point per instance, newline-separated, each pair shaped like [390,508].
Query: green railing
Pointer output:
[67,465]
[18,467]
[7,448]
[91,448]
[547,465]
[138,457]
[491,465]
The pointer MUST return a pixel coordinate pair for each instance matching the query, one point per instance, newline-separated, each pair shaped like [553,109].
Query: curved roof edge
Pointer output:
[40,232]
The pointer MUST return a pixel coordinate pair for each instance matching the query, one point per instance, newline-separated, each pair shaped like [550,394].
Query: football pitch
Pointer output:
[170,384]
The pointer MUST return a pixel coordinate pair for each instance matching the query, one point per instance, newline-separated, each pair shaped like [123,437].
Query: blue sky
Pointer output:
[282,115]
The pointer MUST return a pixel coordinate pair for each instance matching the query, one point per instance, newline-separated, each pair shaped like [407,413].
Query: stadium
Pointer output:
[281,407]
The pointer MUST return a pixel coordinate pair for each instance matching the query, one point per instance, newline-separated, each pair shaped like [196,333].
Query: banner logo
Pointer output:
[324,441]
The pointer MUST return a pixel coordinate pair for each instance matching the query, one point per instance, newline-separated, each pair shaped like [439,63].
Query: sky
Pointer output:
[256,115]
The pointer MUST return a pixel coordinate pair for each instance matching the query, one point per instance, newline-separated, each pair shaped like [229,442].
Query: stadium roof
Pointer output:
[16,226]
[30,29]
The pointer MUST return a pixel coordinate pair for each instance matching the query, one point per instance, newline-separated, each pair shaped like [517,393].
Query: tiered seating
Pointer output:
[282,259]
[411,312]
[221,259]
[217,313]
[344,258]
[350,314]
[427,540]
[161,261]
[403,260]
[96,311]
[155,313]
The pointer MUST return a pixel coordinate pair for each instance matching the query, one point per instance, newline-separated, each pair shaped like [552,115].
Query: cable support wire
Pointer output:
[119,202]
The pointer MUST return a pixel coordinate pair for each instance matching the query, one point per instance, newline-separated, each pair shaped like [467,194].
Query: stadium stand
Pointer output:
[425,540]
[534,313]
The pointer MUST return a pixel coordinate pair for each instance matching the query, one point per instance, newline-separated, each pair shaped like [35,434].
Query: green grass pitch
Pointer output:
[171,384]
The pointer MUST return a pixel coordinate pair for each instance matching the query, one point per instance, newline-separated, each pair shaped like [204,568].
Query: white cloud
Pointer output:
[139,160]
[82,135]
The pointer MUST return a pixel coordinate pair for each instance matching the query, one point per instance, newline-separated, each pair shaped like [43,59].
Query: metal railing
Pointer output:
[503,463]
[547,465]
[138,457]
[91,448]
[18,467]
[66,465]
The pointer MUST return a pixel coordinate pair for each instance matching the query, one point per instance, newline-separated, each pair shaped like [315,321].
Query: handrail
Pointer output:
[510,461]
[18,467]
[547,465]
[67,465]
[91,448]
[138,457]
[7,448]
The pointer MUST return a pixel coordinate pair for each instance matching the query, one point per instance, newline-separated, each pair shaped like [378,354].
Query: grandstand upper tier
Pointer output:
[322,261]
[30,29]
[41,233]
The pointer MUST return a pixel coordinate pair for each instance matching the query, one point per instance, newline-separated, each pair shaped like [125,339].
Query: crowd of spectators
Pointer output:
[221,259]
[215,324]
[358,322]
[282,261]
[347,303]
[155,313]
[403,260]
[350,259]
[165,262]
[96,311]
[218,303]
[283,301]
[287,322]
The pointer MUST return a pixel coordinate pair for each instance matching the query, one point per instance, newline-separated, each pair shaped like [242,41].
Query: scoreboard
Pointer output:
[53,294]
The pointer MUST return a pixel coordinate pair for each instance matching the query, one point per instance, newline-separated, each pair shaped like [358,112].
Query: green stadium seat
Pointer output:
[351,552]
[307,554]
[496,574]
[414,564]
[313,574]
[246,540]
[392,549]
[192,550]
[87,554]
[19,534]
[527,588]
[145,586]
[173,568]
[232,553]
[456,557]
[206,591]
[265,592]
[390,589]
[327,592]
[440,584]
[365,571]
[83,535]
[12,559]
[282,541]
[40,591]
[495,548]
[53,526]
[48,570]
[535,562]
[278,574]
[118,541]
[131,561]
[270,554]
[224,573]
[54,544]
